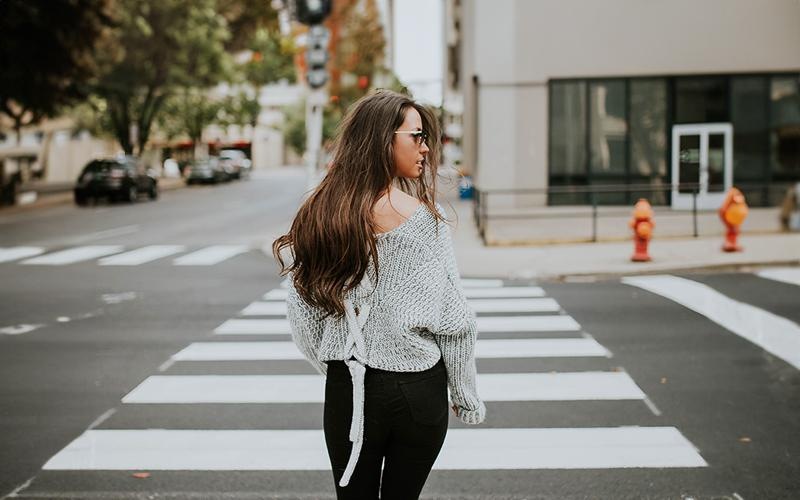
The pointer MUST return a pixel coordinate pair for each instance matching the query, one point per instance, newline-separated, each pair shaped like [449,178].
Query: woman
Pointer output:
[375,301]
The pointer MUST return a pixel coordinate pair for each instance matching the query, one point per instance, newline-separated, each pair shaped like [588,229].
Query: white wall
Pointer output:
[516,46]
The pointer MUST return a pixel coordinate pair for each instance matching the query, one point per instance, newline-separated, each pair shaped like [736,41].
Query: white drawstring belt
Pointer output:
[358,370]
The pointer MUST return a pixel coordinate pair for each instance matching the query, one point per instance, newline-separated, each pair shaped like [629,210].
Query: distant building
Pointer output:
[627,92]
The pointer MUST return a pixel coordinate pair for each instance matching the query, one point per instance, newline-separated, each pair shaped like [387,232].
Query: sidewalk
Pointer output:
[63,194]
[576,261]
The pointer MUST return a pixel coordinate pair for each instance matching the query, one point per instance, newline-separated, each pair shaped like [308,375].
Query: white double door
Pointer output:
[702,163]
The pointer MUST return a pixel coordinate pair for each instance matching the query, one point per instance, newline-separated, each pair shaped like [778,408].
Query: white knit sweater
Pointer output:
[410,315]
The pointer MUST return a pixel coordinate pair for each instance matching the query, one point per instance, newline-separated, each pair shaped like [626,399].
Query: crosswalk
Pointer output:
[119,255]
[775,334]
[260,332]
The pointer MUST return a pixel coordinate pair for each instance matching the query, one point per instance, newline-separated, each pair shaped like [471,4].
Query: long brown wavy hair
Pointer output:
[332,238]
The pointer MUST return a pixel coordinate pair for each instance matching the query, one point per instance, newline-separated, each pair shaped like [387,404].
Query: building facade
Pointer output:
[676,97]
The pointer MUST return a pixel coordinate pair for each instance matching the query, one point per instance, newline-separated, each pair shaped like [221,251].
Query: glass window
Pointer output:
[568,165]
[608,128]
[648,139]
[701,100]
[749,120]
[785,129]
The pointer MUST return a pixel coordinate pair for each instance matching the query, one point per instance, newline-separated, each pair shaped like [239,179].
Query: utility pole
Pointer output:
[312,13]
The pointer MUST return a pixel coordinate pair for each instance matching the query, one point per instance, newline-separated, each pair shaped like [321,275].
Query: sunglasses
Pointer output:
[420,136]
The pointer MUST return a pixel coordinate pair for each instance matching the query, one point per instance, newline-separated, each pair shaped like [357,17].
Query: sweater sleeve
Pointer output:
[307,324]
[456,335]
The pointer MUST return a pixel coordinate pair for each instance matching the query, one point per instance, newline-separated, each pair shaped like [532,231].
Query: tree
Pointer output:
[165,45]
[46,55]
[188,112]
[272,59]
[357,43]
[244,19]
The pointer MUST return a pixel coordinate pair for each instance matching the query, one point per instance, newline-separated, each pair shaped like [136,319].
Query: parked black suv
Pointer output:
[115,178]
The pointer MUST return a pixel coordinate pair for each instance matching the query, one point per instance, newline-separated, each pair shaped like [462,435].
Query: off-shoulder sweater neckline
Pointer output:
[403,224]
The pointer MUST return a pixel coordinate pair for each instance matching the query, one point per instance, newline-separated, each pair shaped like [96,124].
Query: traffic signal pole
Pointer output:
[312,13]
[315,104]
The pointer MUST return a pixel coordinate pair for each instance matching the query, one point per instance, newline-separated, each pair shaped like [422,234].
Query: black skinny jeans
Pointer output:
[405,423]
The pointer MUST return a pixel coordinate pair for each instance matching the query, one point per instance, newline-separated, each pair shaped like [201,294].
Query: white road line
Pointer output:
[141,255]
[464,449]
[254,327]
[539,348]
[775,334]
[504,292]
[480,283]
[73,255]
[505,348]
[237,389]
[277,294]
[13,253]
[264,309]
[552,323]
[789,275]
[479,305]
[209,256]
[19,329]
[238,351]
[514,305]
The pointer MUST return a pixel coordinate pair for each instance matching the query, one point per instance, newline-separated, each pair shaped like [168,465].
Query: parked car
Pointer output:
[121,178]
[235,163]
[207,170]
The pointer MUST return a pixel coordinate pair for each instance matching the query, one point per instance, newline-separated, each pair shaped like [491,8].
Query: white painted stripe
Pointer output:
[265,309]
[505,348]
[254,327]
[277,294]
[19,329]
[775,334]
[561,323]
[464,449]
[552,323]
[141,255]
[480,283]
[14,253]
[189,389]
[539,348]
[514,305]
[210,255]
[73,255]
[239,351]
[789,275]
[479,305]
[504,293]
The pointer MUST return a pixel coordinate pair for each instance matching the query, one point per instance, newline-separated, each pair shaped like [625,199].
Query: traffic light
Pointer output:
[310,12]
[317,57]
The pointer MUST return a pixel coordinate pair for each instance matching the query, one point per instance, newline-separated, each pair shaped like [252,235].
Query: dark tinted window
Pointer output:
[101,166]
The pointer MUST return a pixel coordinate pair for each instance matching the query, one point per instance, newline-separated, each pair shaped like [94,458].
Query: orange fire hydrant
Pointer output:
[642,225]
[733,212]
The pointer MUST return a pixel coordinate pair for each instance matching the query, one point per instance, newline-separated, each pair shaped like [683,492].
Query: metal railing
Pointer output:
[594,194]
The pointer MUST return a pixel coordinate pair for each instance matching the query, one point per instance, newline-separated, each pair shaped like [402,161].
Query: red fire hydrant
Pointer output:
[642,225]
[733,212]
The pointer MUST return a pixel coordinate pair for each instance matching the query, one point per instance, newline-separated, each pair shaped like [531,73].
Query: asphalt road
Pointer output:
[79,339]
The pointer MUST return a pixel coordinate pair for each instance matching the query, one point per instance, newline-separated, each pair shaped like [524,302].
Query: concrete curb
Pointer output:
[52,199]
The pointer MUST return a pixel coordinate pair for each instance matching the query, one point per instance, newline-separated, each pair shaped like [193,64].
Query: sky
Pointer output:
[418,47]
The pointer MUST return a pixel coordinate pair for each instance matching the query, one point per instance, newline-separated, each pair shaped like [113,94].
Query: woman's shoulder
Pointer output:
[393,209]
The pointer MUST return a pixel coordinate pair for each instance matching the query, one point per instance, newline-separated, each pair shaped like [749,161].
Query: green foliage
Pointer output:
[240,109]
[46,54]
[272,60]
[188,112]
[164,45]
[244,18]
[294,126]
